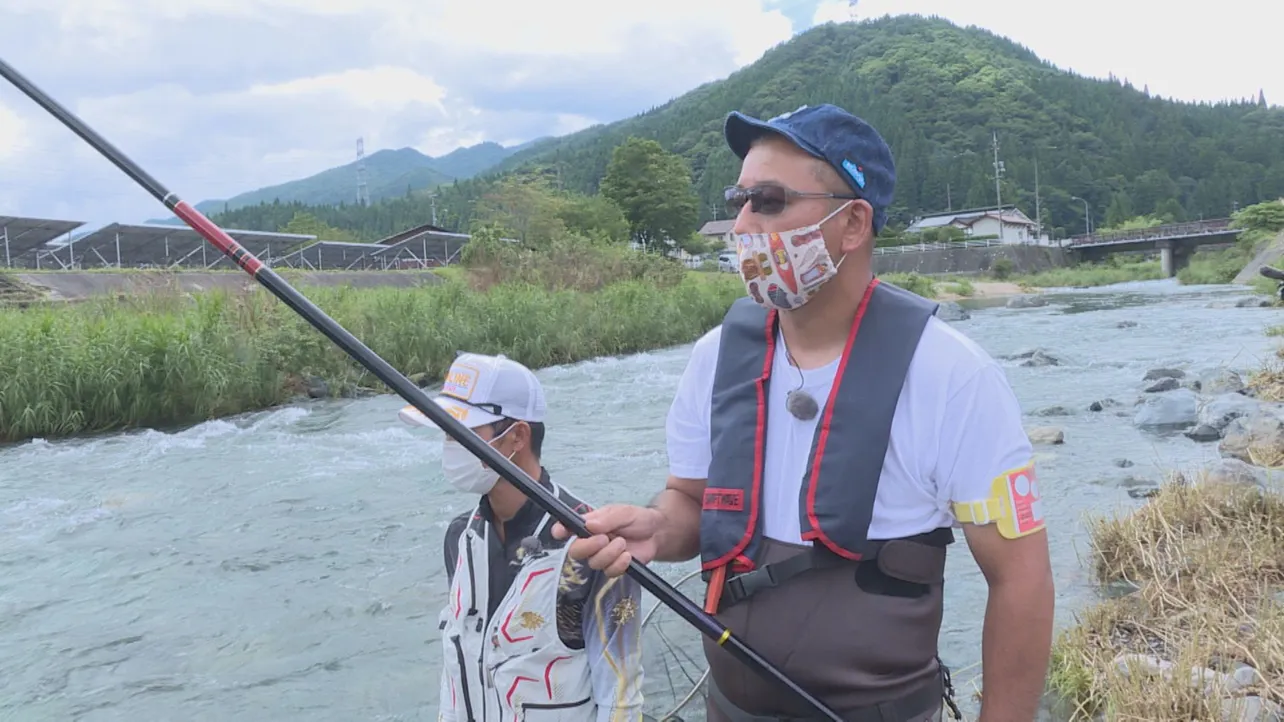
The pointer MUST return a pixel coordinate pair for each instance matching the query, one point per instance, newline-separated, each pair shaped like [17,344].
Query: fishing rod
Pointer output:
[405,388]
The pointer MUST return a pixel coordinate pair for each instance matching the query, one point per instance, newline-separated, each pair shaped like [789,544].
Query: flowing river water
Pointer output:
[287,565]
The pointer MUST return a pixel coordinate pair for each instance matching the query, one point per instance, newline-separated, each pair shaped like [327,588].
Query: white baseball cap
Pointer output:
[481,390]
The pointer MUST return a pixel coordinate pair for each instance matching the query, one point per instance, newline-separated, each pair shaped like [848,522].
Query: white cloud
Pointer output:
[13,133]
[216,97]
[168,83]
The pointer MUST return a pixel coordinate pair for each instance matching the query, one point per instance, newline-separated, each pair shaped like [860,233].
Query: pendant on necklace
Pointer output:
[801,405]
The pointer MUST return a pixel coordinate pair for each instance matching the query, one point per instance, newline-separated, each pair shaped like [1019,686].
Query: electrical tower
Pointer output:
[363,192]
[851,9]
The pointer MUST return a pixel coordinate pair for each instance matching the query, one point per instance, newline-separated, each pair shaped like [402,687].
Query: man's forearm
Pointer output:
[1014,649]
[678,538]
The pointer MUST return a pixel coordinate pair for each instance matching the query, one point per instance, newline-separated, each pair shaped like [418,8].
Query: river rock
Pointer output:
[1222,381]
[951,311]
[1218,411]
[1102,405]
[1122,463]
[1165,384]
[1203,432]
[1046,435]
[1253,302]
[1053,411]
[1126,324]
[1261,429]
[1147,664]
[1251,709]
[1245,676]
[316,387]
[1170,409]
[1034,357]
[1164,373]
[1029,301]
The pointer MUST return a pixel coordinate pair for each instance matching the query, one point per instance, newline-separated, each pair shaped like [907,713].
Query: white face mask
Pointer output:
[466,472]
[784,270]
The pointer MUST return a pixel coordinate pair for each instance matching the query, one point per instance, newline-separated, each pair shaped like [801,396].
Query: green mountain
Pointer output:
[389,174]
[939,93]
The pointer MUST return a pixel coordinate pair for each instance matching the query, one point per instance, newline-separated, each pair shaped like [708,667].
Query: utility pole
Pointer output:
[1038,209]
[363,191]
[998,174]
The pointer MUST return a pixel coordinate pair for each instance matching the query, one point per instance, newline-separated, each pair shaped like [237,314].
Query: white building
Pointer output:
[720,230]
[1012,226]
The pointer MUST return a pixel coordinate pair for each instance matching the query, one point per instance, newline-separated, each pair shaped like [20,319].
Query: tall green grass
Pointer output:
[1115,269]
[167,359]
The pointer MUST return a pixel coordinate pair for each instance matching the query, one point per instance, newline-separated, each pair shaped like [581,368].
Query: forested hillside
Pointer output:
[938,93]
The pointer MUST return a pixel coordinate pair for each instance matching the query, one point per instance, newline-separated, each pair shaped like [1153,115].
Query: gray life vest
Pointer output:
[851,439]
[821,611]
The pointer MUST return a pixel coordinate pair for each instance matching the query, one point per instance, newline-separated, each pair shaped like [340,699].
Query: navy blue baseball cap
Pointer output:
[849,144]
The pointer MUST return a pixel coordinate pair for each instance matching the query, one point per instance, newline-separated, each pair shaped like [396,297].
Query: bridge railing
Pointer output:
[1169,230]
[947,246]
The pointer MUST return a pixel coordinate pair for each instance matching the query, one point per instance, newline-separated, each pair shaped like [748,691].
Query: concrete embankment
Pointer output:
[1025,259]
[1268,256]
[72,286]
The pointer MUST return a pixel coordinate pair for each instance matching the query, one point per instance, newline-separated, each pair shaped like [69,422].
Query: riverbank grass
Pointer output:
[166,359]
[1199,633]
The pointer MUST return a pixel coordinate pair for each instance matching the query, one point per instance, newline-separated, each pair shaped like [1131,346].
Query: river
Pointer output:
[287,565]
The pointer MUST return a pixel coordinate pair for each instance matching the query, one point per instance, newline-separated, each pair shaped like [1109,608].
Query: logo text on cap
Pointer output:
[460,381]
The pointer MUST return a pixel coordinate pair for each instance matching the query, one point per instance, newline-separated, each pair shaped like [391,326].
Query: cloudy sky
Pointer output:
[216,97]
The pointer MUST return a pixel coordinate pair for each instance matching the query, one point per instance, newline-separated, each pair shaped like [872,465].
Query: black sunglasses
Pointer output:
[769,199]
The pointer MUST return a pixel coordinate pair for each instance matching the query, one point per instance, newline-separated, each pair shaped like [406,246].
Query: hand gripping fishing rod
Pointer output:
[406,389]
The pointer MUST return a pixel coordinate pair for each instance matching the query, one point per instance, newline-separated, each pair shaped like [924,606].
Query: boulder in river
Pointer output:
[1102,405]
[1233,471]
[1053,411]
[1164,373]
[316,387]
[1126,324]
[1034,357]
[1218,411]
[951,311]
[1259,434]
[1221,381]
[1028,301]
[1046,435]
[1254,302]
[1203,432]
[1167,383]
[1168,410]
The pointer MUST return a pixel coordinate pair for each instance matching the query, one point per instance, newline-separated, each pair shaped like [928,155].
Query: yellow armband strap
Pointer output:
[1013,504]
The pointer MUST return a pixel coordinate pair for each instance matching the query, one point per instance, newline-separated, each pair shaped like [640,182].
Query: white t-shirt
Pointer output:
[957,427]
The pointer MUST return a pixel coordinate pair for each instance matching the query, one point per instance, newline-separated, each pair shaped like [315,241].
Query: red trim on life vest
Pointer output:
[548,676]
[760,447]
[816,532]
[508,698]
[503,629]
[532,576]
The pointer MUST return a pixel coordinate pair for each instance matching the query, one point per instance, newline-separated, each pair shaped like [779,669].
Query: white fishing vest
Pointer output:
[514,667]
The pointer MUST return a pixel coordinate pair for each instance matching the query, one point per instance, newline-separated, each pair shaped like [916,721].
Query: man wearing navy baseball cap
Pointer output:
[825,442]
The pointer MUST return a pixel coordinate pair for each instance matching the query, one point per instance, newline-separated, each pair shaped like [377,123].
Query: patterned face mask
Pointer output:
[784,270]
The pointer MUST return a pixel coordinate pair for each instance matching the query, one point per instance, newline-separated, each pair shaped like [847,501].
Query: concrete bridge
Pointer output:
[1175,242]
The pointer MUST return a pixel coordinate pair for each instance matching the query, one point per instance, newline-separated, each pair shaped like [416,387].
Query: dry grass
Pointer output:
[1207,564]
[1267,383]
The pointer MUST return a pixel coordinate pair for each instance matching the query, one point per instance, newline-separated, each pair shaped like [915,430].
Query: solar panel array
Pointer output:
[39,243]
[23,238]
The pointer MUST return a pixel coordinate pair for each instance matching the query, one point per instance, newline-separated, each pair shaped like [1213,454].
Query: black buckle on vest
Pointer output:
[743,586]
